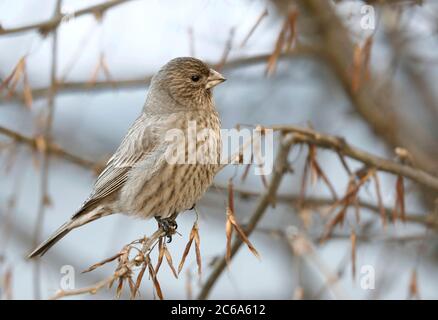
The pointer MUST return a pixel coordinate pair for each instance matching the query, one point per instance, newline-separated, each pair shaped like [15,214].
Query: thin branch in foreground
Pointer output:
[103,262]
[242,234]
[194,236]
[155,281]
[232,225]
[170,261]
[125,267]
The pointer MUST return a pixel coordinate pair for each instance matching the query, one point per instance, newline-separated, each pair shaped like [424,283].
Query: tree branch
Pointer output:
[339,144]
[375,109]
[48,26]
[71,87]
[47,136]
[122,271]
[51,148]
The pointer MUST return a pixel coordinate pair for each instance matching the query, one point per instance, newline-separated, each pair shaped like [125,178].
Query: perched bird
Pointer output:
[139,180]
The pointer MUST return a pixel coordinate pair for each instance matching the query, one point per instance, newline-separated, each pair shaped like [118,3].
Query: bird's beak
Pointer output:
[214,79]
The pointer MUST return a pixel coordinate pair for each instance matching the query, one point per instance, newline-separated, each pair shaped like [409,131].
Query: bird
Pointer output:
[139,180]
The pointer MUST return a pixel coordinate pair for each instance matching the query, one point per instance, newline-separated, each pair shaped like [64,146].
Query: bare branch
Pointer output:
[51,148]
[47,136]
[48,26]
[376,110]
[119,273]
[341,146]
[69,87]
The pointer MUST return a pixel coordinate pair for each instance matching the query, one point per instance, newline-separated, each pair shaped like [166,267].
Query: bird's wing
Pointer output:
[135,147]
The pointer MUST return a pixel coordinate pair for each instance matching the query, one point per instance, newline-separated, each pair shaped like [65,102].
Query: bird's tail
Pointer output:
[75,222]
[54,238]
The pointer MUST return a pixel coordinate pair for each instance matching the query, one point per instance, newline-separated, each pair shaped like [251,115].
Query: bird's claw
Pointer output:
[169,226]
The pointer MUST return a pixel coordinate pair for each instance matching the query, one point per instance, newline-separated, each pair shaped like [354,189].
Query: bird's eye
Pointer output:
[195,78]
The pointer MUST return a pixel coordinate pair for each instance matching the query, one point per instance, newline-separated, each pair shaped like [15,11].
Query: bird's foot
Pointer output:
[168,225]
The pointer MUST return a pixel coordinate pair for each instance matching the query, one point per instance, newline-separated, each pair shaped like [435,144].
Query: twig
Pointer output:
[50,25]
[50,147]
[46,159]
[340,145]
[119,273]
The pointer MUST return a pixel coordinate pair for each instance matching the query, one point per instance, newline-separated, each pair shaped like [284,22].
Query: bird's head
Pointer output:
[188,81]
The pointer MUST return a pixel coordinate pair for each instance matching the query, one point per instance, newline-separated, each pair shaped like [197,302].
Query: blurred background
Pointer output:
[75,75]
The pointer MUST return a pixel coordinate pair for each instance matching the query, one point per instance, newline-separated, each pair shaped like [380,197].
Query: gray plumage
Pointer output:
[138,180]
